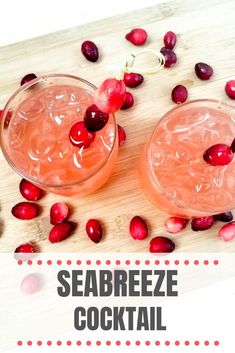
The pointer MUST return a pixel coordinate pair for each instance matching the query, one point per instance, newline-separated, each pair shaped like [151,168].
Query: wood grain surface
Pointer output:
[206,32]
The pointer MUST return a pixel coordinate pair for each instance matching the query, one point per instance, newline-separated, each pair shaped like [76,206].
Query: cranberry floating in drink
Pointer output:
[57,139]
[179,170]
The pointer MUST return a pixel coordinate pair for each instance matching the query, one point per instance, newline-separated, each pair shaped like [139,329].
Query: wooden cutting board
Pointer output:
[206,32]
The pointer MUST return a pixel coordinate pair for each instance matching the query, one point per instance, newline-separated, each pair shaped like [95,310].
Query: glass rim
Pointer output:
[6,109]
[178,107]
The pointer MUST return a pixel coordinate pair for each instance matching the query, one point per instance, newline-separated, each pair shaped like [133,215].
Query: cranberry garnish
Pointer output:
[138,228]
[110,95]
[203,71]
[25,210]
[95,119]
[175,224]
[90,50]
[60,232]
[230,89]
[161,245]
[179,94]
[137,36]
[202,223]
[219,154]
[80,136]
[94,230]
[59,212]
[27,78]
[170,57]
[169,40]
[30,191]
[121,135]
[128,101]
[224,217]
[133,79]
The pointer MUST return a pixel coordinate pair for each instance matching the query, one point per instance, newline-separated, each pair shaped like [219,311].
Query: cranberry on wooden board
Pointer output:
[202,223]
[161,245]
[128,101]
[230,89]
[94,230]
[137,36]
[90,50]
[169,40]
[27,78]
[170,57]
[175,224]
[133,79]
[59,212]
[227,232]
[179,94]
[30,191]
[60,232]
[25,210]
[138,228]
[203,71]
[224,217]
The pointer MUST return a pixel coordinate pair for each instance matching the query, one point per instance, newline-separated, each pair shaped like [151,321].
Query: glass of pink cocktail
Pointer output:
[35,136]
[173,173]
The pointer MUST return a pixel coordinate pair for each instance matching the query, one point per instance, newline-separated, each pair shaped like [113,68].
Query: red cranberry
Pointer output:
[59,212]
[137,36]
[161,245]
[230,89]
[202,223]
[110,95]
[80,136]
[219,154]
[128,101]
[60,232]
[175,224]
[170,57]
[30,191]
[25,210]
[169,40]
[95,119]
[233,146]
[138,228]
[179,94]
[224,217]
[90,51]
[227,232]
[94,230]
[121,135]
[25,252]
[203,71]
[27,78]
[133,79]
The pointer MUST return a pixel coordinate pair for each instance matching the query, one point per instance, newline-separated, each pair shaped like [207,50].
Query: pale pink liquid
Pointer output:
[38,142]
[173,173]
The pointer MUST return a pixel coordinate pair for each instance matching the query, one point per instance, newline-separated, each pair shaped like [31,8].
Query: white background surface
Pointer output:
[22,19]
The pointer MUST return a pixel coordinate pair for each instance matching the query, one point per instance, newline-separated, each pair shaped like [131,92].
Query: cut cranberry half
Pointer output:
[95,119]
[218,155]
[80,136]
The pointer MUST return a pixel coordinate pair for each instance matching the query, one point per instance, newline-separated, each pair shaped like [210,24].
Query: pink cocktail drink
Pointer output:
[36,142]
[173,173]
